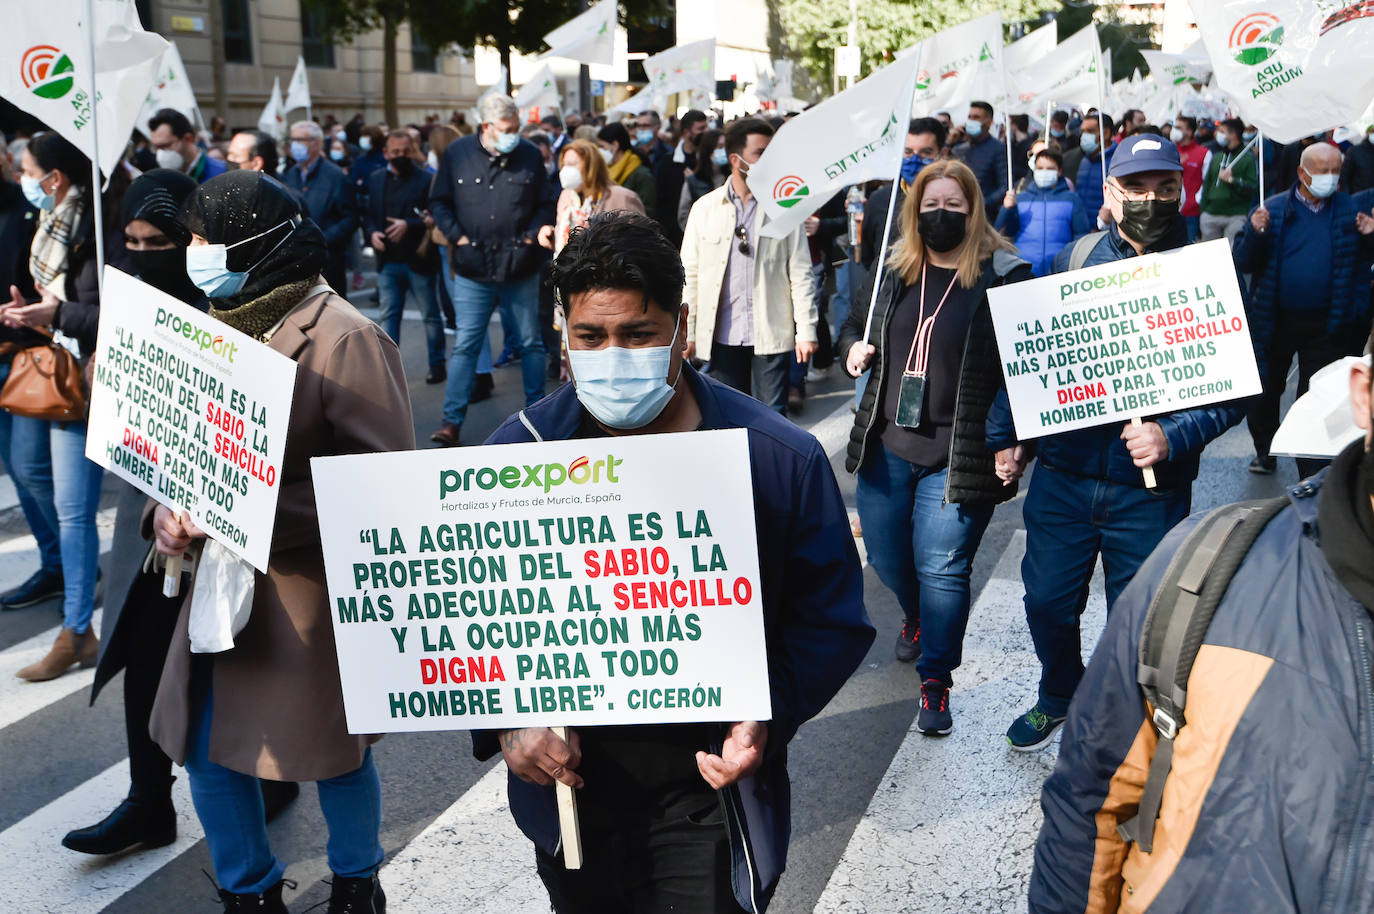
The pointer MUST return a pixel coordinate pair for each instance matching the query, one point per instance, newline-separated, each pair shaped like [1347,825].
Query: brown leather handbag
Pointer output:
[45,382]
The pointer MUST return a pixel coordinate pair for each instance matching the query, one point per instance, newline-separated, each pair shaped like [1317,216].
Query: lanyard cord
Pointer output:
[919,357]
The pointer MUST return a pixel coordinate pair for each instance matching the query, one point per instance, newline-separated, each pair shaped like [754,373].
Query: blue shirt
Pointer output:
[735,320]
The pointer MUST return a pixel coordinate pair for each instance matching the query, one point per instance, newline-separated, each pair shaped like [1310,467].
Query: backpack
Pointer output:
[1175,625]
[1082,248]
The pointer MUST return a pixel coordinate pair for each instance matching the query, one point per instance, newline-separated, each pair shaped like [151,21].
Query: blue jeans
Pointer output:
[393,281]
[1194,224]
[230,808]
[472,304]
[25,453]
[1070,520]
[922,550]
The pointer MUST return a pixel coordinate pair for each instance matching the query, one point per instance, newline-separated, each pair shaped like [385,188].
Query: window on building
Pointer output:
[315,48]
[422,59]
[238,32]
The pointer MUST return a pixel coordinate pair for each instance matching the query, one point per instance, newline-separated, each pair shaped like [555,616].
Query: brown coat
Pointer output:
[278,704]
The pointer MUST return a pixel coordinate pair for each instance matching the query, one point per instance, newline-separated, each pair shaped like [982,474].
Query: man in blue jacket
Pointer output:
[490,199]
[1310,292]
[683,817]
[326,190]
[1088,496]
[1046,216]
[984,155]
[1088,176]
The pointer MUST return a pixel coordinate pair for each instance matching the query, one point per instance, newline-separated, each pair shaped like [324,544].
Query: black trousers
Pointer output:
[680,864]
[335,270]
[1306,337]
[145,628]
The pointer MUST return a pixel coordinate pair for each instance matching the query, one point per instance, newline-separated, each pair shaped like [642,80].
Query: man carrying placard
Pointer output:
[683,817]
[1089,495]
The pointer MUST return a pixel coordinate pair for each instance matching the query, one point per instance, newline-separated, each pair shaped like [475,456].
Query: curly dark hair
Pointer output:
[620,250]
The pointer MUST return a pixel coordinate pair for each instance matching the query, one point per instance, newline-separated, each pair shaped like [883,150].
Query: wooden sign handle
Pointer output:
[1148,472]
[567,817]
[171,577]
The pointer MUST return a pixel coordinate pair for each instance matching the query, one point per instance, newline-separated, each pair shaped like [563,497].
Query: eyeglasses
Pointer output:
[1168,194]
[743,237]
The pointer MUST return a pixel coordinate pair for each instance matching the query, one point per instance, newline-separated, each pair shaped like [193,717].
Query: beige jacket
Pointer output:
[784,308]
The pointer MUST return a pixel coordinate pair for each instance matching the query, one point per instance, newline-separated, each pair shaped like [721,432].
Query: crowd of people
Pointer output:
[570,229]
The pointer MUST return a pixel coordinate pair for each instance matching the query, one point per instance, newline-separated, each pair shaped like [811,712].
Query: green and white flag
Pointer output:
[1177,69]
[962,65]
[172,90]
[1292,67]
[541,90]
[1071,75]
[46,70]
[587,38]
[849,138]
[683,68]
[272,121]
[298,92]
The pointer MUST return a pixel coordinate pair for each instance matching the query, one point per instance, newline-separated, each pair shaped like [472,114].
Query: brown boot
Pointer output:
[68,650]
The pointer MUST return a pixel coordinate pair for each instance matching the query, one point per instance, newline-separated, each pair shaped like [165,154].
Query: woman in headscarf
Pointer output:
[65,485]
[272,707]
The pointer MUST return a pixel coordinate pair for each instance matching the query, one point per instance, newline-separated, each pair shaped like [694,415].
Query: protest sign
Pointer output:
[584,582]
[1123,340]
[190,411]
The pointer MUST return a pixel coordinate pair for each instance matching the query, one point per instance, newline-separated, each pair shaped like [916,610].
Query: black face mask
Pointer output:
[942,230]
[1148,221]
[403,165]
[166,270]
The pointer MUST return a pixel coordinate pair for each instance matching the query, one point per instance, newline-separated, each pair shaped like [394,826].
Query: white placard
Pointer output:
[1133,338]
[191,412]
[583,582]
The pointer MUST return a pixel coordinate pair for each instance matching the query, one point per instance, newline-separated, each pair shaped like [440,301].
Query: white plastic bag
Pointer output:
[221,600]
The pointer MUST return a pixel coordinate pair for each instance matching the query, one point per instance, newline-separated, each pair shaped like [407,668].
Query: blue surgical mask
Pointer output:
[207,264]
[911,167]
[1248,135]
[1056,133]
[644,137]
[1045,178]
[623,388]
[365,143]
[299,152]
[719,157]
[506,142]
[1323,186]
[33,192]
[336,154]
[1088,142]
[974,128]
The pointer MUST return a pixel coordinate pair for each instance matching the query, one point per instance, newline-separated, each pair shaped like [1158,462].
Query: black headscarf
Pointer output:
[241,204]
[157,197]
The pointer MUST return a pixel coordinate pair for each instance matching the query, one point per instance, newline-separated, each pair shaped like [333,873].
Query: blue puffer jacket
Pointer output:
[1043,222]
[1258,254]
[1099,452]
[813,615]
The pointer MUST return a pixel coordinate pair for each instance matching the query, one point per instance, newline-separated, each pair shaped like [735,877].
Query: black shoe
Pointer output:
[268,902]
[1033,729]
[909,641]
[438,374]
[131,824]
[277,795]
[446,434]
[934,718]
[1264,466]
[482,388]
[362,895]
[42,585]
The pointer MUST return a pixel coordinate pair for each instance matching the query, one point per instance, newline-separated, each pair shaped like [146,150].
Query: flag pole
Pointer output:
[1259,154]
[1101,102]
[97,211]
[891,205]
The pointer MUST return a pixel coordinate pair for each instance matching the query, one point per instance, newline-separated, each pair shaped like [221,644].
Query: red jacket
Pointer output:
[1193,156]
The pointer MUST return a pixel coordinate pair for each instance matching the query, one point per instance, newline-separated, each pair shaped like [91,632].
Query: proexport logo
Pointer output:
[1255,38]
[544,476]
[47,72]
[789,191]
[199,336]
[1120,280]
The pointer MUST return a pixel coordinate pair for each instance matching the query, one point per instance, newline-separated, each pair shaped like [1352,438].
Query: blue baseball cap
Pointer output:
[1144,152]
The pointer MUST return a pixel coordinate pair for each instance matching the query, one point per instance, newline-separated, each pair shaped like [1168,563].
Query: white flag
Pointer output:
[1068,76]
[683,68]
[298,92]
[588,38]
[962,65]
[1177,69]
[171,89]
[541,90]
[641,101]
[272,121]
[1293,67]
[850,138]
[1032,49]
[46,70]
[782,79]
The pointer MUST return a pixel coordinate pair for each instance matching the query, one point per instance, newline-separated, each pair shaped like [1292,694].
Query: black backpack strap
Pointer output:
[1175,626]
[1082,248]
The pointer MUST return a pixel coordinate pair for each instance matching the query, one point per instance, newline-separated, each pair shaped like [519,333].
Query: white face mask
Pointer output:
[607,155]
[1176,135]
[1045,178]
[1323,186]
[570,176]
[170,158]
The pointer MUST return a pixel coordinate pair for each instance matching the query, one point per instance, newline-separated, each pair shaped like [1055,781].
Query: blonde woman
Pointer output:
[927,485]
[587,190]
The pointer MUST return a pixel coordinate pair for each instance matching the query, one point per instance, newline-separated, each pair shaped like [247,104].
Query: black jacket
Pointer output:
[498,203]
[875,218]
[971,478]
[407,195]
[330,199]
[79,314]
[17,223]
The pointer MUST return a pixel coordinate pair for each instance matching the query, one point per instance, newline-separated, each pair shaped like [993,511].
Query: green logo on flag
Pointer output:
[1255,38]
[789,191]
[47,71]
